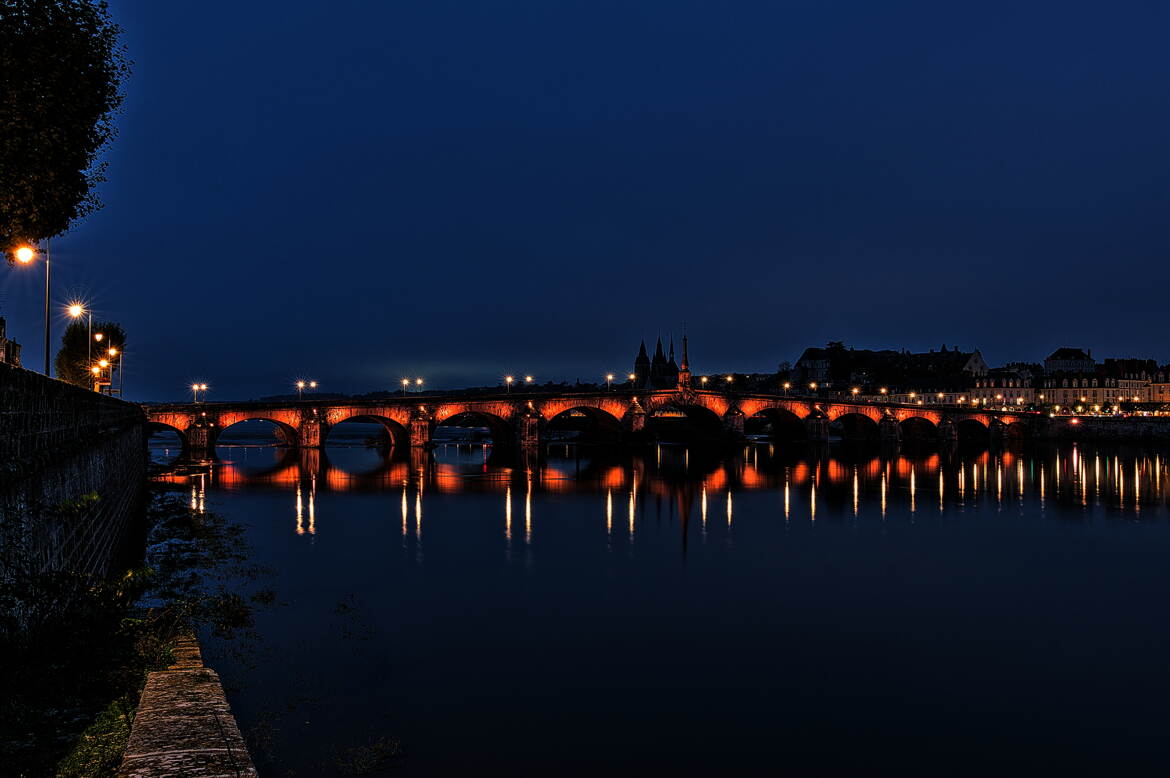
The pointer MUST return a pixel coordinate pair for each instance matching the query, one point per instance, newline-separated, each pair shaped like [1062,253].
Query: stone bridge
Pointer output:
[519,419]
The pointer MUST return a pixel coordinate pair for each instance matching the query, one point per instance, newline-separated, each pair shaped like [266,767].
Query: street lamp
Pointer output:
[312,385]
[508,383]
[609,381]
[418,383]
[703,380]
[405,385]
[25,255]
[632,377]
[528,379]
[300,389]
[77,310]
[787,386]
[812,385]
[855,391]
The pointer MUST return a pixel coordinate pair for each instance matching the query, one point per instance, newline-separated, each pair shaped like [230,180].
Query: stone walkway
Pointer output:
[184,725]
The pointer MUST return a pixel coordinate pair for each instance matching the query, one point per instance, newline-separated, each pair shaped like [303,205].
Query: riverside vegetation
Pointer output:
[72,679]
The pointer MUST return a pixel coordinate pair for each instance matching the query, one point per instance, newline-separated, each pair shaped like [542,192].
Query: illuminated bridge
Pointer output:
[521,420]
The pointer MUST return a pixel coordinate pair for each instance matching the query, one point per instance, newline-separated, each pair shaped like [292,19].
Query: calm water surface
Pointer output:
[686,613]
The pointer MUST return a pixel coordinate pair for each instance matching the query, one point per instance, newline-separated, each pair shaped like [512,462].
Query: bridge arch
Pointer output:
[590,423]
[972,430]
[778,423]
[681,421]
[918,429]
[286,434]
[499,429]
[163,429]
[854,425]
[396,433]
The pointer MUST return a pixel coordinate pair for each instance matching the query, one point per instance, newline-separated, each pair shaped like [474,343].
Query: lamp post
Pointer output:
[405,386]
[787,386]
[609,382]
[508,384]
[300,389]
[25,255]
[418,384]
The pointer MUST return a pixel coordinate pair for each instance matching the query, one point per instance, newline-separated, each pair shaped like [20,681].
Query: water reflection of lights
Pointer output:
[528,510]
[608,512]
[851,483]
[301,513]
[508,514]
[913,488]
[633,497]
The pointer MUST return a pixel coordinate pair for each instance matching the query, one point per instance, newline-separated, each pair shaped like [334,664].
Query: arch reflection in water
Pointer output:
[1114,481]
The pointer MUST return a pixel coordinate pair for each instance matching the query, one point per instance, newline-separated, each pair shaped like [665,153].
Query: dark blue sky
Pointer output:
[354,191]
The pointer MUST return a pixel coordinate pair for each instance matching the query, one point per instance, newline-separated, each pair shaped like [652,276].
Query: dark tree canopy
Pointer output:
[75,359]
[61,71]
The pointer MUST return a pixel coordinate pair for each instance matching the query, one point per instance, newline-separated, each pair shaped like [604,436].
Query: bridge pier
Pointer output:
[999,432]
[816,428]
[889,431]
[528,430]
[421,425]
[635,423]
[733,422]
[201,440]
[948,432]
[311,433]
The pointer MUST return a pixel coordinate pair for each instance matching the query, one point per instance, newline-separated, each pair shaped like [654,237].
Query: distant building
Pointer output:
[661,371]
[1069,360]
[9,349]
[1109,383]
[841,368]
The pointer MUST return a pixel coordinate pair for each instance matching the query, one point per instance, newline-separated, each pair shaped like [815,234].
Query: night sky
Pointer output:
[357,191]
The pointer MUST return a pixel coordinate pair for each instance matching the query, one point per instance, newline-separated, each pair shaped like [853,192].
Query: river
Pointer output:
[679,611]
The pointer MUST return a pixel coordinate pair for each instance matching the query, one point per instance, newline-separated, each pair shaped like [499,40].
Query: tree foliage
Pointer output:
[61,72]
[75,359]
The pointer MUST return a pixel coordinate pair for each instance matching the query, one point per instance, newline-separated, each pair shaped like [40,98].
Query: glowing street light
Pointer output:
[528,379]
[508,383]
[77,310]
[418,384]
[312,385]
[25,255]
[300,389]
[609,380]
[405,385]
[703,380]
[632,377]
[787,386]
[855,391]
